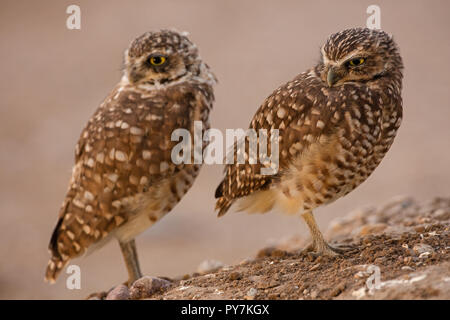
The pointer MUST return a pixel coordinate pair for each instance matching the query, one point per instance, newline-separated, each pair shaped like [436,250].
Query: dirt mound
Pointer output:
[401,251]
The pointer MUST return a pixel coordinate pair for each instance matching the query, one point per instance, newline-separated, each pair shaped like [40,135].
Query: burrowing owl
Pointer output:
[336,122]
[124,180]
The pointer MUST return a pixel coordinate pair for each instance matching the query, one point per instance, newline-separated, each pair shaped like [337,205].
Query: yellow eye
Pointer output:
[157,60]
[356,62]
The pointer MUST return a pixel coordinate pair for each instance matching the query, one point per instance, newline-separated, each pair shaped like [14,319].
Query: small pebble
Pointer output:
[209,266]
[407,268]
[314,294]
[146,286]
[314,267]
[338,289]
[424,255]
[372,229]
[186,276]
[120,292]
[422,248]
[251,294]
[420,229]
[235,276]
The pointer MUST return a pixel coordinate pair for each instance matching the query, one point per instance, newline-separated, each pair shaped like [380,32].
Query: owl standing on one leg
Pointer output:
[124,179]
[336,122]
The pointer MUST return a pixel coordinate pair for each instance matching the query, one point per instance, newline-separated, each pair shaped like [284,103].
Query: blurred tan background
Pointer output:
[52,79]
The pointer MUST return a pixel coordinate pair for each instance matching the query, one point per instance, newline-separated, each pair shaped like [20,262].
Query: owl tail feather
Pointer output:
[54,268]
[223,204]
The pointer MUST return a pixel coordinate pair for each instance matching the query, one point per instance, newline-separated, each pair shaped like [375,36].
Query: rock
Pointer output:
[372,229]
[314,294]
[407,268]
[246,260]
[345,225]
[338,289]
[315,267]
[420,229]
[424,255]
[255,278]
[360,274]
[264,284]
[120,292]
[422,248]
[360,293]
[97,296]
[146,286]
[396,205]
[235,276]
[271,252]
[251,294]
[209,266]
[292,243]
[442,214]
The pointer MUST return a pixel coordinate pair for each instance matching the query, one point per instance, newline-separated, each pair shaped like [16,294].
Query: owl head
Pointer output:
[161,58]
[359,55]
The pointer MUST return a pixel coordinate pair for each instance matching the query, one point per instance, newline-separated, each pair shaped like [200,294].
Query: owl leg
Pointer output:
[319,246]
[131,261]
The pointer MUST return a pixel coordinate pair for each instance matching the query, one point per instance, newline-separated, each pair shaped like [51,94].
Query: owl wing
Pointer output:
[302,111]
[124,151]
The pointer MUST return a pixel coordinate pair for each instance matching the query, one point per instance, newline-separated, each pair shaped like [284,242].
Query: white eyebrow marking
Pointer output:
[351,55]
[355,53]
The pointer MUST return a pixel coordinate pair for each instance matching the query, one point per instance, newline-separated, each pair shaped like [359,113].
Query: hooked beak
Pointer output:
[332,77]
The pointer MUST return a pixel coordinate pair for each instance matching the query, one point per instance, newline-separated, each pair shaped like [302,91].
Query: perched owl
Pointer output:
[124,179]
[336,122]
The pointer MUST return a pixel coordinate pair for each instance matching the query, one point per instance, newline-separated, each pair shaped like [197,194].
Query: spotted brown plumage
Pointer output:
[124,179]
[336,122]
